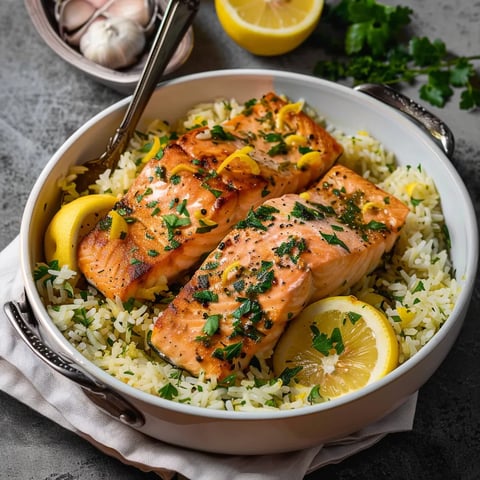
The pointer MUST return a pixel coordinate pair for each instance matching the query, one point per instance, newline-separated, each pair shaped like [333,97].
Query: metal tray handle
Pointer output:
[22,319]
[432,124]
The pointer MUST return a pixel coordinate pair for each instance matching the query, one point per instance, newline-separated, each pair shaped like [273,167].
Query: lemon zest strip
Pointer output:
[242,155]
[309,158]
[405,315]
[207,221]
[370,206]
[118,227]
[183,167]
[286,109]
[295,140]
[305,195]
[153,150]
[149,293]
[228,269]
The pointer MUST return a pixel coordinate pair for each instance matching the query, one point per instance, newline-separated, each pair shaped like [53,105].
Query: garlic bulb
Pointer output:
[113,42]
[76,20]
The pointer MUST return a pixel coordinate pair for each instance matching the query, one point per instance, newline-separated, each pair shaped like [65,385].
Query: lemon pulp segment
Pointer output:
[269,27]
[340,343]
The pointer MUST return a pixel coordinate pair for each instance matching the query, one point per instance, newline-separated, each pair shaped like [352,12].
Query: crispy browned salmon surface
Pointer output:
[285,254]
[182,205]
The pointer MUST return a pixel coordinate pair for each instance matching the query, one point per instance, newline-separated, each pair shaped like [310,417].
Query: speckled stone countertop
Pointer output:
[43,100]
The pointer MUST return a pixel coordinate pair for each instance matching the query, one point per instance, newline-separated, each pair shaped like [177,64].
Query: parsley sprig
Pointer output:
[376,48]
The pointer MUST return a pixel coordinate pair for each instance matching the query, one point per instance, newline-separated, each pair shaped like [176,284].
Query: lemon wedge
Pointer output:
[269,27]
[72,222]
[341,344]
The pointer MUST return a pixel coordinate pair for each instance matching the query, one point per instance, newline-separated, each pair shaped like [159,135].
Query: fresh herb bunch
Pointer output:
[375,48]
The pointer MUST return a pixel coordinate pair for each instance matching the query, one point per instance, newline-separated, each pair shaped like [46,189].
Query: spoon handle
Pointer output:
[432,124]
[176,20]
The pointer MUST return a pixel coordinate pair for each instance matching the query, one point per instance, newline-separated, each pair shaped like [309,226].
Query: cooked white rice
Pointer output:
[416,279]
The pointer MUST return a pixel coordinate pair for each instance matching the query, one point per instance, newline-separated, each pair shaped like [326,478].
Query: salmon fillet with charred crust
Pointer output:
[285,254]
[182,204]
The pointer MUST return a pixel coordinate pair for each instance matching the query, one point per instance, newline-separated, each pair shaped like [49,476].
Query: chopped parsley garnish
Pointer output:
[288,374]
[213,191]
[353,317]
[218,133]
[280,148]
[293,248]
[229,352]
[168,391]
[210,266]
[324,343]
[248,307]
[205,296]
[255,218]
[105,223]
[315,396]
[173,222]
[420,287]
[265,277]
[80,316]
[211,324]
[332,239]
[42,271]
[373,225]
[303,212]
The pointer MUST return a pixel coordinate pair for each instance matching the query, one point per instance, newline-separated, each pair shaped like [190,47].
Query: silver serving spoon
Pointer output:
[177,18]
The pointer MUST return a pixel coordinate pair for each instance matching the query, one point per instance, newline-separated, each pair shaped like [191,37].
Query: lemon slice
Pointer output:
[341,345]
[72,222]
[269,27]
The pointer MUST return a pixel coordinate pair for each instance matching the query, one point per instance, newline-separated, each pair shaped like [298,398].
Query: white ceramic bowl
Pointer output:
[125,80]
[268,432]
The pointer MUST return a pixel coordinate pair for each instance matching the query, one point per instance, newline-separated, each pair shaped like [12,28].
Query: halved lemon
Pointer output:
[72,222]
[341,344]
[269,27]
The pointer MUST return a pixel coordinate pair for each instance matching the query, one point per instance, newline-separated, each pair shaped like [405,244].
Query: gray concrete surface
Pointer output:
[43,100]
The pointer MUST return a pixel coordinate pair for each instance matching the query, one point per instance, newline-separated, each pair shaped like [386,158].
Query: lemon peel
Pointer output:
[226,272]
[371,206]
[284,111]
[154,149]
[406,316]
[205,220]
[242,155]
[295,140]
[72,222]
[118,227]
[183,167]
[309,158]
[305,196]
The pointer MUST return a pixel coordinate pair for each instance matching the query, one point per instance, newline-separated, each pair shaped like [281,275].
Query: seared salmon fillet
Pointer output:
[285,254]
[182,204]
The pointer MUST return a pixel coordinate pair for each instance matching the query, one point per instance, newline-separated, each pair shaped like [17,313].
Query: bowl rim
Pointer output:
[401,370]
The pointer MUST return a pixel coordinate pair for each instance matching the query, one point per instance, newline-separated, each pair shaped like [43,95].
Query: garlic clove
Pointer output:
[99,3]
[139,11]
[75,37]
[113,42]
[74,13]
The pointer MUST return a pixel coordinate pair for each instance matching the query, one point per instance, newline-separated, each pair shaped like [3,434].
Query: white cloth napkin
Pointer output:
[25,377]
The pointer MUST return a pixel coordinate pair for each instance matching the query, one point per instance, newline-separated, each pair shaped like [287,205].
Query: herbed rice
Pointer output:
[414,286]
